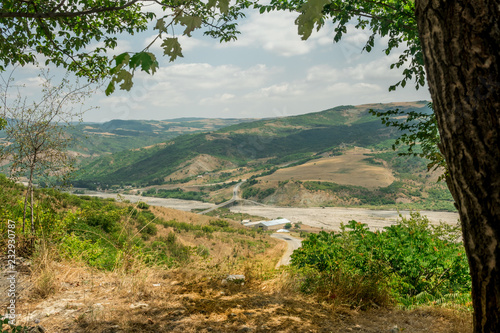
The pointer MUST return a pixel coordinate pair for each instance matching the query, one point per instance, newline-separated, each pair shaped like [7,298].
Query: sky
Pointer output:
[268,72]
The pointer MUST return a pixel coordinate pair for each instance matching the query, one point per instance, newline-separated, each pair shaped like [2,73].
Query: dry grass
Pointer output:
[347,169]
[44,269]
[194,298]
[190,300]
[135,297]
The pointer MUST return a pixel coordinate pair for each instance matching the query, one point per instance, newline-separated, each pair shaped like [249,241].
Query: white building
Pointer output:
[268,225]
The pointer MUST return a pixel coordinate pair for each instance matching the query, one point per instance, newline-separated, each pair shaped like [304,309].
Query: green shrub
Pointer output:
[106,218]
[142,205]
[411,257]
[149,229]
[93,253]
[219,223]
[12,327]
[203,251]
[168,250]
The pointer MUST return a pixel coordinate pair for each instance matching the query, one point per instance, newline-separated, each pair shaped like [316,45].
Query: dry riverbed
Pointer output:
[328,218]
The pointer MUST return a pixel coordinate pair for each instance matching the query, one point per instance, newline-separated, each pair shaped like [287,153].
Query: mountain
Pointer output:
[247,146]
[117,135]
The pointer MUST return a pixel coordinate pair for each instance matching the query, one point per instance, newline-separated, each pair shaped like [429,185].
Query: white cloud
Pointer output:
[208,77]
[181,86]
[324,73]
[276,32]
[284,90]
[377,70]
[269,71]
[187,43]
[356,37]
[219,98]
[31,82]
[123,45]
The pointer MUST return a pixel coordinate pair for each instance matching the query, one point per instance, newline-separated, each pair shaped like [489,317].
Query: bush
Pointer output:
[410,258]
[219,223]
[169,251]
[203,251]
[106,218]
[142,205]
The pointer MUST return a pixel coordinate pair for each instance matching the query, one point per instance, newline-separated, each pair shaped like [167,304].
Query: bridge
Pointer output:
[234,200]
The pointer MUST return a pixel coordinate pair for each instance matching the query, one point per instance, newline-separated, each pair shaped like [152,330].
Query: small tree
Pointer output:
[36,140]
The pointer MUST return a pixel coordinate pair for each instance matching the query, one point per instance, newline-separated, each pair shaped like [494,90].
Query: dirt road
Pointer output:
[293,244]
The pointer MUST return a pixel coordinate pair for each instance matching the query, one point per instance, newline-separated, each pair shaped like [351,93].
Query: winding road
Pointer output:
[293,244]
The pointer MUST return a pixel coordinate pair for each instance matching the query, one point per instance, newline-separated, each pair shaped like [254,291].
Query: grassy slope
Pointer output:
[70,276]
[106,234]
[117,135]
[283,139]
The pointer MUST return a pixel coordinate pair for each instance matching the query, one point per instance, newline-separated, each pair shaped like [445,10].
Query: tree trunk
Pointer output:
[31,206]
[460,40]
[24,208]
[30,189]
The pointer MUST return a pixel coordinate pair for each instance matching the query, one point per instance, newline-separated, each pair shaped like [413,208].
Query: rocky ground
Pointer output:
[185,300]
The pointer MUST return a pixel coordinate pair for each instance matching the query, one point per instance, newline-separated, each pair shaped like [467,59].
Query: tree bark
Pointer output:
[24,208]
[30,188]
[460,41]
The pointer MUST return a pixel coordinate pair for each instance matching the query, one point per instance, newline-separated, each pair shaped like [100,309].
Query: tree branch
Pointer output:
[53,14]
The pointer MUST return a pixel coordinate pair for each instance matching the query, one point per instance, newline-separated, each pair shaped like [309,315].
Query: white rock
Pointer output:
[139,305]
[235,277]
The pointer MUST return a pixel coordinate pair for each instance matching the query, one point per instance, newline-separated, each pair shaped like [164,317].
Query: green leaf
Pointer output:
[160,25]
[190,22]
[172,48]
[3,123]
[126,77]
[110,88]
[211,3]
[146,60]
[224,6]
[312,13]
[122,59]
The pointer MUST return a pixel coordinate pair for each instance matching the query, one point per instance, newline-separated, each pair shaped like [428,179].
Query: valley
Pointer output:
[328,218]
[341,157]
[145,247]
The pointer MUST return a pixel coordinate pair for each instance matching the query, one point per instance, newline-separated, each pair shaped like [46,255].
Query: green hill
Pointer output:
[118,135]
[260,144]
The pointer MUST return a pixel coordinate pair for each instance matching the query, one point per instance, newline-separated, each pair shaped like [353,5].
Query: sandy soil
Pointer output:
[330,218]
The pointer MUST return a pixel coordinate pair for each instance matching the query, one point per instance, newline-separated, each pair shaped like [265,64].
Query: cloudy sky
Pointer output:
[268,72]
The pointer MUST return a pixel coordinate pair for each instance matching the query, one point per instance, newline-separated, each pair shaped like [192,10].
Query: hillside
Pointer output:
[245,147]
[96,265]
[341,157]
[117,135]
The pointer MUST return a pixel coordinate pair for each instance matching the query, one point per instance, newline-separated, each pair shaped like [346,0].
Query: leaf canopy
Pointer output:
[79,34]
[393,19]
